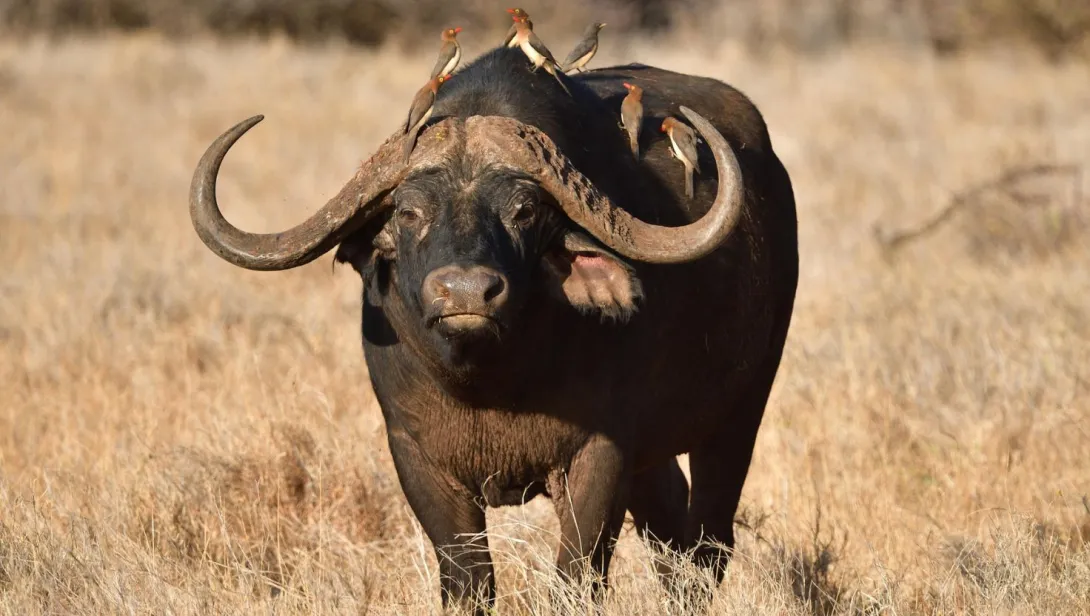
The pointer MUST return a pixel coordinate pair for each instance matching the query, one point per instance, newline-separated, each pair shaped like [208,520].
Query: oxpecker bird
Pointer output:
[449,54]
[537,52]
[584,50]
[683,147]
[419,113]
[516,15]
[632,116]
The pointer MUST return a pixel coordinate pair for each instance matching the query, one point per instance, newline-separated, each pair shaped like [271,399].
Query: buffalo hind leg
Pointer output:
[591,506]
[455,524]
[718,470]
[659,503]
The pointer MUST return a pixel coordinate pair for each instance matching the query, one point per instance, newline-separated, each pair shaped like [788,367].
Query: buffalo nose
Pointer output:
[459,290]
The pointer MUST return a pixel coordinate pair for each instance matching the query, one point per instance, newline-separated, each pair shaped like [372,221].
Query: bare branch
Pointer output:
[1004,182]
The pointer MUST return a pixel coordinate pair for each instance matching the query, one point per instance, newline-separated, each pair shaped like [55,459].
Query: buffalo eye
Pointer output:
[524,214]
[408,216]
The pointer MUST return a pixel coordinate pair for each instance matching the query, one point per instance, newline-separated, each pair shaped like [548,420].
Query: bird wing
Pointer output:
[540,47]
[446,54]
[511,32]
[584,47]
[635,110]
[422,102]
[686,142]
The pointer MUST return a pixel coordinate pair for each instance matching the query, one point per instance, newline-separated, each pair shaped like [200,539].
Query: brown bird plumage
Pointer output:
[584,50]
[449,54]
[683,147]
[419,113]
[516,15]
[632,116]
[537,52]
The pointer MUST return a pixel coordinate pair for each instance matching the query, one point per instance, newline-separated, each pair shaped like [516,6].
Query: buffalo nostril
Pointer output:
[495,288]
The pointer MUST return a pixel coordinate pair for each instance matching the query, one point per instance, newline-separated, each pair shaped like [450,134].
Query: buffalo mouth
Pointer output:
[466,324]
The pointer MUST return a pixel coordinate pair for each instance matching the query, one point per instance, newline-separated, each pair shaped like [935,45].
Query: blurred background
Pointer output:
[178,435]
[1058,28]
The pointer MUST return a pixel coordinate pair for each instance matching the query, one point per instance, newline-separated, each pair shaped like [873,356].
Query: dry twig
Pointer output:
[1005,182]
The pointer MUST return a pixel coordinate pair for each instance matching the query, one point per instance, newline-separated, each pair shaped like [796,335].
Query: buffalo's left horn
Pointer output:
[534,152]
[357,202]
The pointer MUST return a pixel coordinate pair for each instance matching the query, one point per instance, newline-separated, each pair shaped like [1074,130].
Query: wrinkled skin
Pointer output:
[513,356]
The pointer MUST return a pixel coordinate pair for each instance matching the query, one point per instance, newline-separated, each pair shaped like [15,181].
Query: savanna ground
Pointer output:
[178,435]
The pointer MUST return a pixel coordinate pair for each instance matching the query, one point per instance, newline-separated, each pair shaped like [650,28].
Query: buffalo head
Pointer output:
[481,212]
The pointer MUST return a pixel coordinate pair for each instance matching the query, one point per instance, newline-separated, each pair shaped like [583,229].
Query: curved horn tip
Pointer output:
[706,129]
[218,148]
[692,115]
[247,124]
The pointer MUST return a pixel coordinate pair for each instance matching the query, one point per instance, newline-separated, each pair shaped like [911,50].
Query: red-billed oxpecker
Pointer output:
[516,15]
[420,112]
[683,147]
[449,54]
[632,116]
[537,52]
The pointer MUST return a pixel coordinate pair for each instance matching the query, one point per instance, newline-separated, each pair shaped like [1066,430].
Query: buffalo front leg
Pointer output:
[591,504]
[453,521]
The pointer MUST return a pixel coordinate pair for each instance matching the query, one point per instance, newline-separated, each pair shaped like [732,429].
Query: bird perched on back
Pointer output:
[683,147]
[584,50]
[449,54]
[632,116]
[516,15]
[419,112]
[536,51]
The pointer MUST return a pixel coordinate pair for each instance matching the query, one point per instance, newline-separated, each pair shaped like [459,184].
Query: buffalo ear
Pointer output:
[591,279]
[369,252]
[363,248]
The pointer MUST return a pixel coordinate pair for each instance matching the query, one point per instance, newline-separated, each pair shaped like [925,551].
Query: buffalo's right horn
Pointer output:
[357,202]
[524,147]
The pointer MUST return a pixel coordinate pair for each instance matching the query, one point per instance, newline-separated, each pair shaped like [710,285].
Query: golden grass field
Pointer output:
[181,436]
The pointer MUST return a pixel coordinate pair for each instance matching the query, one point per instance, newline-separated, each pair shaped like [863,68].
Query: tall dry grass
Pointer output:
[178,435]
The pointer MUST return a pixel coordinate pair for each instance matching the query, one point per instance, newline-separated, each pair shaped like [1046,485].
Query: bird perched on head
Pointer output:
[584,50]
[516,15]
[632,116]
[536,51]
[419,112]
[449,54]
[683,147]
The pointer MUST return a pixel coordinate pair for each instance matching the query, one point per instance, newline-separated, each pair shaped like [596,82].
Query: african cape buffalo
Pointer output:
[545,315]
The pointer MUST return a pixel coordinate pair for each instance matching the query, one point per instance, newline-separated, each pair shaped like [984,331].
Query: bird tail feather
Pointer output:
[409,145]
[555,73]
[688,181]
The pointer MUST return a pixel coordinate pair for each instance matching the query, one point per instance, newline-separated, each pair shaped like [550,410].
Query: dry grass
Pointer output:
[178,435]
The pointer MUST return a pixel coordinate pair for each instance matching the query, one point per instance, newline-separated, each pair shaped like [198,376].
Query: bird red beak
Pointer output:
[457,30]
[627,86]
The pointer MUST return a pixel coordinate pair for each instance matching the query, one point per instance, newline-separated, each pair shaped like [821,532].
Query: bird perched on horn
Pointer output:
[683,147]
[516,15]
[584,50]
[537,52]
[419,113]
[632,116]
[449,54]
